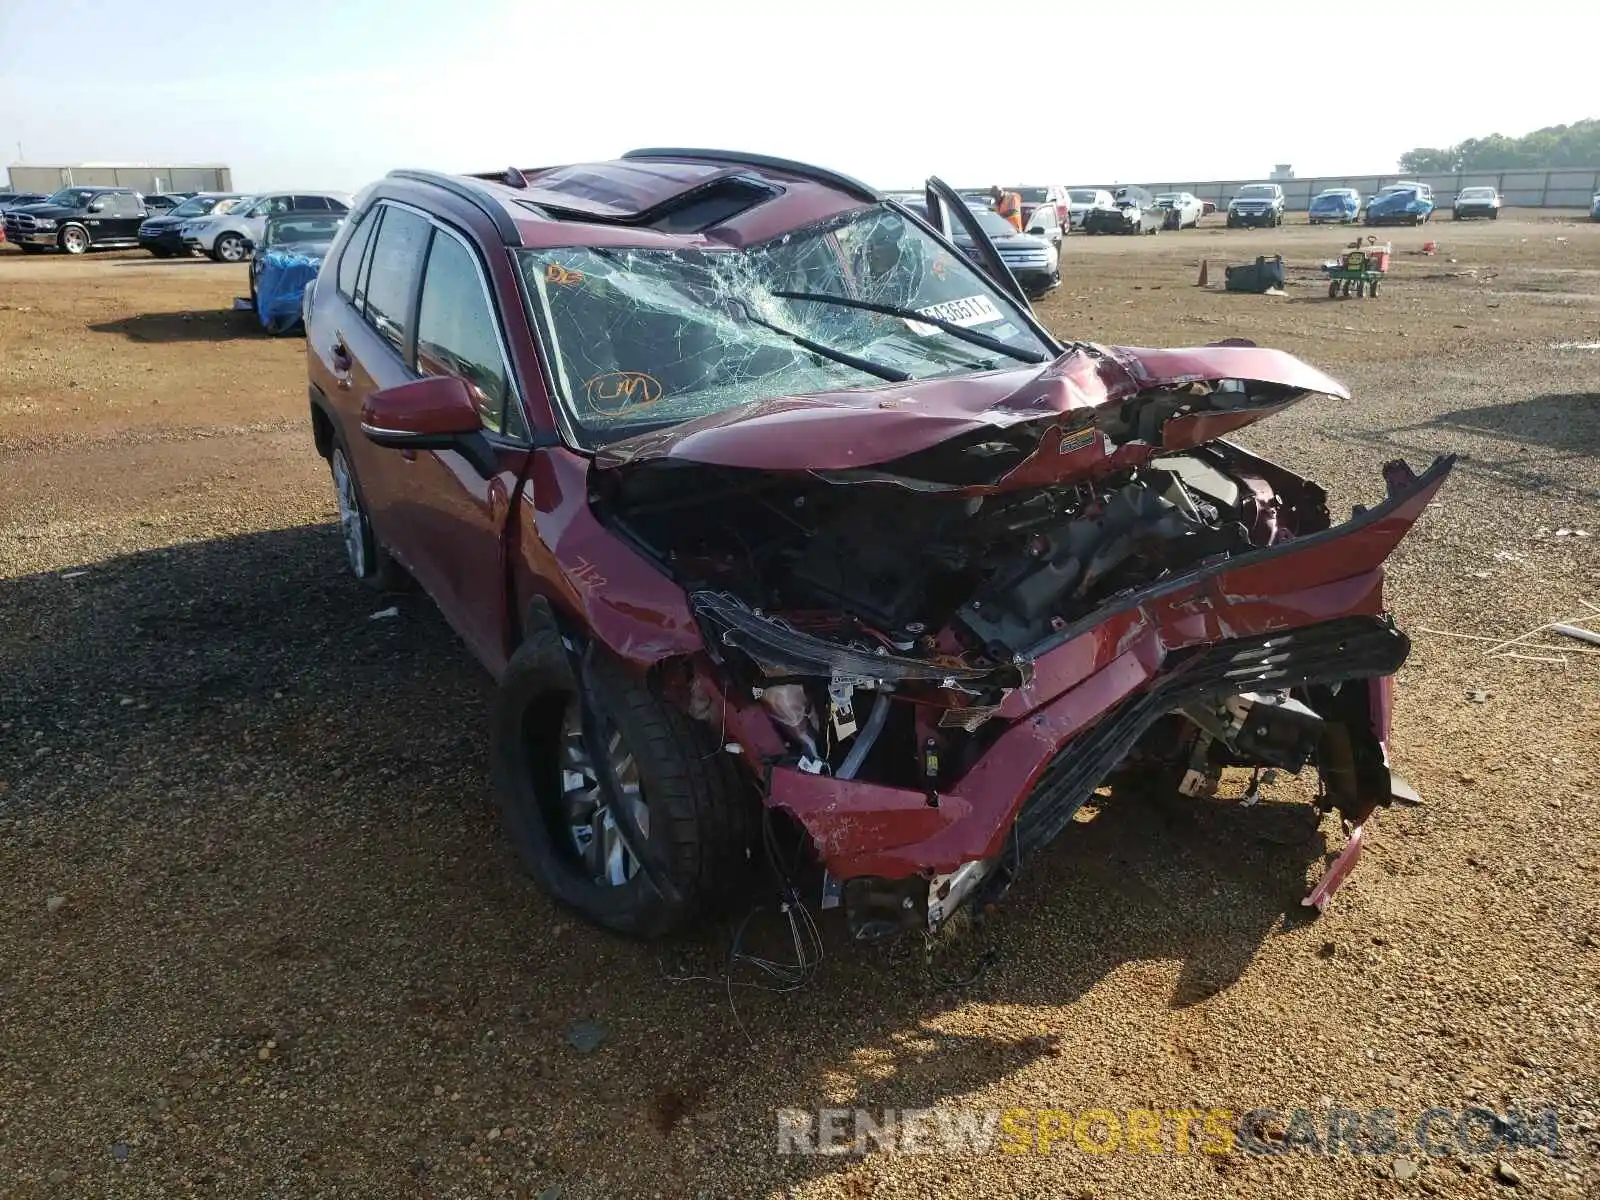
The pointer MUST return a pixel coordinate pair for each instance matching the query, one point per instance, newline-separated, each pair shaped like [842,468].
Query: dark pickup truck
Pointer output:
[78,219]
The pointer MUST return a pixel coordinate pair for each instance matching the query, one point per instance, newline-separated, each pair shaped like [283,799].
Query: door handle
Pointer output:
[342,362]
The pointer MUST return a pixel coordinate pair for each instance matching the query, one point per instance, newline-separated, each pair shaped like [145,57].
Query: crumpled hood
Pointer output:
[847,430]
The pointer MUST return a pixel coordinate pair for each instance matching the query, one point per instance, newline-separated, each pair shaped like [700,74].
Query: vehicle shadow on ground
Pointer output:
[223,326]
[256,775]
[1564,421]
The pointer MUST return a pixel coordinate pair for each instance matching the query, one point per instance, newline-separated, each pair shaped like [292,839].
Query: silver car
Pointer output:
[228,238]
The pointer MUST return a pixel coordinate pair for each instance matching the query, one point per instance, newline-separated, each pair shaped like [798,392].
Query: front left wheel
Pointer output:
[619,805]
[74,239]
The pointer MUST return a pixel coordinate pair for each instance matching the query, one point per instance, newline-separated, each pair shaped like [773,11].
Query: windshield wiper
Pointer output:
[911,314]
[865,365]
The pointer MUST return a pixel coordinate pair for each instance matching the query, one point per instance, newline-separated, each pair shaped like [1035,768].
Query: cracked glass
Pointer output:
[640,339]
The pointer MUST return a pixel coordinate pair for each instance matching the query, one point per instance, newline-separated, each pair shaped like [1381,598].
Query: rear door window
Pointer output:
[392,277]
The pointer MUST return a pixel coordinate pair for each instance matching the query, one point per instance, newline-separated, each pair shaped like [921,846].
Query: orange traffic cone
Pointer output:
[1201,282]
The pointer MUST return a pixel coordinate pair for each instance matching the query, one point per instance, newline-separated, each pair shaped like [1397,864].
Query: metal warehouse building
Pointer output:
[143,177]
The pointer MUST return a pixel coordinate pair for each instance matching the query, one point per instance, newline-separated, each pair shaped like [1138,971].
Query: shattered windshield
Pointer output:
[640,339]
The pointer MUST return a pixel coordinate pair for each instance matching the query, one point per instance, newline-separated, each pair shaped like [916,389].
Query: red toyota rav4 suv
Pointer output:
[776,517]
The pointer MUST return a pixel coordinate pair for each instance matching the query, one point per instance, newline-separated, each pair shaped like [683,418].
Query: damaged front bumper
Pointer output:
[1305,613]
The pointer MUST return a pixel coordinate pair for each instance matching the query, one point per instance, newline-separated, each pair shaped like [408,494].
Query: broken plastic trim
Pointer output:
[786,653]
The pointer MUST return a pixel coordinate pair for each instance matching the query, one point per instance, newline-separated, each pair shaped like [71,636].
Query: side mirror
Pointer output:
[436,412]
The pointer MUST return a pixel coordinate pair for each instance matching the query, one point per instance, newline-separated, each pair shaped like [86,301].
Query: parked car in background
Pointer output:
[1402,185]
[1336,206]
[1182,210]
[1256,204]
[1207,207]
[1033,197]
[227,236]
[1594,208]
[162,203]
[1476,202]
[290,244]
[806,554]
[1130,210]
[1081,200]
[163,235]
[1401,204]
[1046,222]
[75,220]
[1033,259]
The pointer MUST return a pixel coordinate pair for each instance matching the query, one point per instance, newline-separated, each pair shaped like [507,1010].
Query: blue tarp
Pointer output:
[281,285]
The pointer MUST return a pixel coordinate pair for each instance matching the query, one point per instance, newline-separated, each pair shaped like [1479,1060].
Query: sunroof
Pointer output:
[670,197]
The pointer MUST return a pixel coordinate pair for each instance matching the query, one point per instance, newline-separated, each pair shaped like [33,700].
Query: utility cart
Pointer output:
[1360,266]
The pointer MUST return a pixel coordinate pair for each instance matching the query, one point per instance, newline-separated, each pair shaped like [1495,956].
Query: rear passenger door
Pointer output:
[124,215]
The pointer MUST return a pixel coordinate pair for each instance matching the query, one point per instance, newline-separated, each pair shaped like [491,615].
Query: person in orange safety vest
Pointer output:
[1008,205]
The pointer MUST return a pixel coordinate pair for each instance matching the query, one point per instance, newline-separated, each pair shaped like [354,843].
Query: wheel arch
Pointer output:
[322,421]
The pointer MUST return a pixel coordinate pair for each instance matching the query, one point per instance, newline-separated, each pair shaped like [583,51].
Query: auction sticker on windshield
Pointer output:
[974,310]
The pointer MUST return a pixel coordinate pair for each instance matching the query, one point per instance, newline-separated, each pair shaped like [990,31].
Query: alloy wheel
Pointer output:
[230,249]
[352,521]
[590,786]
[74,240]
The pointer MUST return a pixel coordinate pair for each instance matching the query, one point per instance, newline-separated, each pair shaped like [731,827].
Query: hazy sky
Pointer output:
[336,92]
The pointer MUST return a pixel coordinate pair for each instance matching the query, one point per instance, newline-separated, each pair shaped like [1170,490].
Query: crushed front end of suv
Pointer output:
[788,532]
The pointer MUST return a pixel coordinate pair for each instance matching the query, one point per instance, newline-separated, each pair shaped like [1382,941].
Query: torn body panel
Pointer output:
[1025,716]
[935,616]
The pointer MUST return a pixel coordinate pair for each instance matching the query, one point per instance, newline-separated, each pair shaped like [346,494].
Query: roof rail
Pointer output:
[482,201]
[833,179]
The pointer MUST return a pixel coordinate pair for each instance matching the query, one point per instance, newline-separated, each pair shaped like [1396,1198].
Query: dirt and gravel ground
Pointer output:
[260,934]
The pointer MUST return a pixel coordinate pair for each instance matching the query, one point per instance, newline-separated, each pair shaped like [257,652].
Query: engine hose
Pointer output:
[876,720]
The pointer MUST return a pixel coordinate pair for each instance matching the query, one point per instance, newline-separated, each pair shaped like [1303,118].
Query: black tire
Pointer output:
[159,251]
[367,559]
[26,249]
[74,239]
[229,248]
[701,818]
[1333,289]
[1494,214]
[1372,288]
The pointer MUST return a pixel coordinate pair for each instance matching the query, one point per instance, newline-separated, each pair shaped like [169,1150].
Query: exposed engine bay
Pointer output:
[959,582]
[832,585]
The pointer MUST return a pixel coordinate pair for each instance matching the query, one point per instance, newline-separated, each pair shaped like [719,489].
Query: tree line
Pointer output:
[1575,145]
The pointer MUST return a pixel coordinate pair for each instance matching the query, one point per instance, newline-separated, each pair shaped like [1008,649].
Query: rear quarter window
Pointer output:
[354,250]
